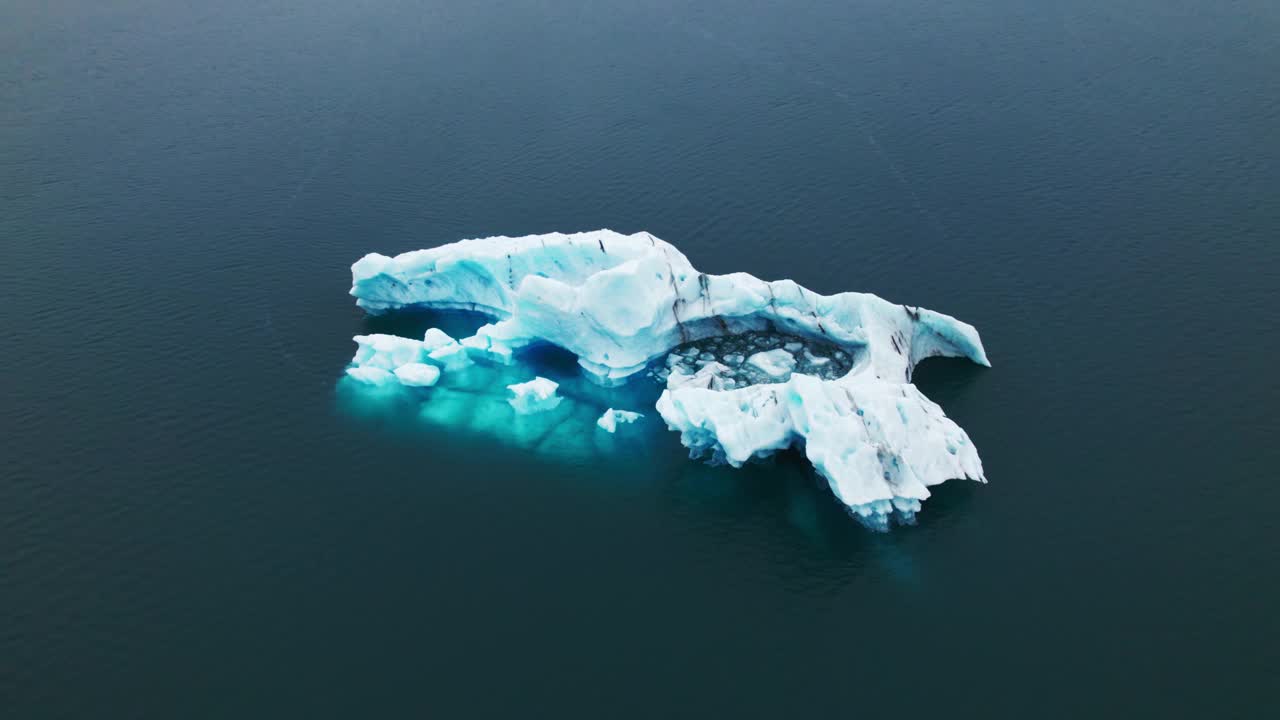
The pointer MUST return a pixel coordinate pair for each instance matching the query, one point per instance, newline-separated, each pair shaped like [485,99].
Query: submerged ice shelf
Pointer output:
[757,366]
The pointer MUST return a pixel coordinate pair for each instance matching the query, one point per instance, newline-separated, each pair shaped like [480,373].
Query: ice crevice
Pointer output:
[748,367]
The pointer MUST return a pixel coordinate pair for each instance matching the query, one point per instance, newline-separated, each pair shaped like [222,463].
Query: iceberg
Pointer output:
[750,367]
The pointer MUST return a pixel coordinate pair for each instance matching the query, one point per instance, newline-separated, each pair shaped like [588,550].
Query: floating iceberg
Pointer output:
[754,367]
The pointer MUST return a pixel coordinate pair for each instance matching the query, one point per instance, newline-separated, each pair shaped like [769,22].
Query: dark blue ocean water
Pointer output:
[194,525]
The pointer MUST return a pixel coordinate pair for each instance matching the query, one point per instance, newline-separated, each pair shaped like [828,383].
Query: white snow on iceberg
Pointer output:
[620,302]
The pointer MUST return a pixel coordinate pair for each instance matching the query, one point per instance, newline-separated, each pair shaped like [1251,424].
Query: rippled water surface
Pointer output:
[195,520]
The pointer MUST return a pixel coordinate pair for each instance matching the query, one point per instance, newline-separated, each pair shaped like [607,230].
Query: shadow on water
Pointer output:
[778,502]
[550,361]
[413,323]
[784,498]
[944,379]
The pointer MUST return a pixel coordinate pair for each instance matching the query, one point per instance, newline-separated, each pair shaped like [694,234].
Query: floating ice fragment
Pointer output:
[815,360]
[452,357]
[435,338]
[537,395]
[709,376]
[774,363]
[610,419]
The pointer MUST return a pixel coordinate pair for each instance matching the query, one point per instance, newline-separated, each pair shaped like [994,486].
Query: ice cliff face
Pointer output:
[619,302]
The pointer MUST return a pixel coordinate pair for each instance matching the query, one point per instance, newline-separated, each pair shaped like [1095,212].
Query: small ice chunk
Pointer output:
[706,357]
[815,360]
[710,376]
[610,419]
[733,359]
[436,339]
[793,347]
[445,350]
[371,375]
[537,395]
[776,364]
[418,374]
[452,357]
[488,348]
[387,352]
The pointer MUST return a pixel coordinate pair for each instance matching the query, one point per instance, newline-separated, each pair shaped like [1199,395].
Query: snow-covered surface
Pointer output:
[611,418]
[537,395]
[618,302]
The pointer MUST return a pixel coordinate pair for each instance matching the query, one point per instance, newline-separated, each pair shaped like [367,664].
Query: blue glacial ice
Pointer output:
[748,367]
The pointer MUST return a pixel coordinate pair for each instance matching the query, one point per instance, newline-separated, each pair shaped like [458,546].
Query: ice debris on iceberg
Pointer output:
[608,422]
[619,303]
[775,363]
[537,395]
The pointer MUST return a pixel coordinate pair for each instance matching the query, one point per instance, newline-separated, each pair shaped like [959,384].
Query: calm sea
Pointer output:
[194,524]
